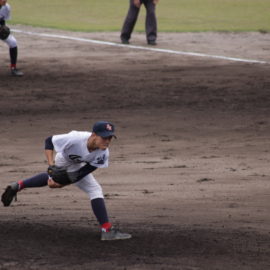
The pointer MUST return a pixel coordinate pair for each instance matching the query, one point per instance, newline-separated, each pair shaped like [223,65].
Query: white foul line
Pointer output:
[141,47]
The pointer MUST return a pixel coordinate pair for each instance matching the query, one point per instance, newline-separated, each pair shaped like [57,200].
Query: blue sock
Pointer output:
[99,209]
[39,180]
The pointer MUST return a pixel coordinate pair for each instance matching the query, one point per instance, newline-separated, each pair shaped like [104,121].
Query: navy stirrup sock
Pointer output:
[39,180]
[13,55]
[99,209]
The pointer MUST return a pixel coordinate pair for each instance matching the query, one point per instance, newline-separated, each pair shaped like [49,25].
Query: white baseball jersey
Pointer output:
[73,148]
[5,12]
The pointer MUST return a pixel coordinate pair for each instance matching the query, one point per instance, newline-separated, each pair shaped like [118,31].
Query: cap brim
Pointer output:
[106,134]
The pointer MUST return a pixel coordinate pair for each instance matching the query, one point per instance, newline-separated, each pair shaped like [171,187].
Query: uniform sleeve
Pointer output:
[82,172]
[49,144]
[5,12]
[102,160]
[62,141]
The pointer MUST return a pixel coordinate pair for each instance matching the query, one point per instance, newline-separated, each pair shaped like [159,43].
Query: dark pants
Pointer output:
[150,22]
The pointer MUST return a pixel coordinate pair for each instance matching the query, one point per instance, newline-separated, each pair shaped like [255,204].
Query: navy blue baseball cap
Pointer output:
[104,129]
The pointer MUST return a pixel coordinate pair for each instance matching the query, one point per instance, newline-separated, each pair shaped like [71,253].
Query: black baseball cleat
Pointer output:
[124,41]
[152,42]
[16,73]
[10,193]
[114,234]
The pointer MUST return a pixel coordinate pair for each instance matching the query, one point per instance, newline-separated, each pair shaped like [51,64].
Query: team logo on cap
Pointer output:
[109,127]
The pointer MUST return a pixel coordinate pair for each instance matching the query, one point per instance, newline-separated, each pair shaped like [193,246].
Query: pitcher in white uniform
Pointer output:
[77,151]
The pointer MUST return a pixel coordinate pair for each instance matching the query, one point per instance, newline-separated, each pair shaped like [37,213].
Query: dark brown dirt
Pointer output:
[189,172]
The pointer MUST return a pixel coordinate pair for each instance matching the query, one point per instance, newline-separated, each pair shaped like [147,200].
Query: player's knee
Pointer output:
[96,192]
[11,42]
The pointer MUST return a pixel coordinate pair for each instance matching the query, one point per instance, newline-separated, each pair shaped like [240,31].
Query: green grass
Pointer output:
[173,15]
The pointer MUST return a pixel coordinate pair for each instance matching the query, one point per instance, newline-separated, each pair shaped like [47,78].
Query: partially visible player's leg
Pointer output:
[39,180]
[129,22]
[150,22]
[90,186]
[13,52]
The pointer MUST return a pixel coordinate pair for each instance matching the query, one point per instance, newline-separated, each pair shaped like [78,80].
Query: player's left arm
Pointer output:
[49,151]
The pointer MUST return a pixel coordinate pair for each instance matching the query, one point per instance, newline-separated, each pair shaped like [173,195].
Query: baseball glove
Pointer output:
[59,175]
[4,32]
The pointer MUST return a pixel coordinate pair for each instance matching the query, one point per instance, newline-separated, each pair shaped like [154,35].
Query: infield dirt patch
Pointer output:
[189,172]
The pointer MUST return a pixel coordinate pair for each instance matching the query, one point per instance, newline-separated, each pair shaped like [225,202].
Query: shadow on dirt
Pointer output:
[64,246]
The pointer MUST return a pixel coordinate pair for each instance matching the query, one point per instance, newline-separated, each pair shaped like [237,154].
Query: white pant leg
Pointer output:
[11,41]
[88,184]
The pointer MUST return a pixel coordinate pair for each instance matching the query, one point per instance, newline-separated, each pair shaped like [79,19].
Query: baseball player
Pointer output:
[8,38]
[78,154]
[131,18]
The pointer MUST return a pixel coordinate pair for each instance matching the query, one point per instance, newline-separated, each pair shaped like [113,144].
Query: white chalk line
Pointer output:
[140,47]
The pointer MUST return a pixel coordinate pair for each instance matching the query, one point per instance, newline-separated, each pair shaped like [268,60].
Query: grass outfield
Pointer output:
[173,15]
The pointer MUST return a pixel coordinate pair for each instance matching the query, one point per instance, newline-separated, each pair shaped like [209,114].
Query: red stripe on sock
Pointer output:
[106,226]
[21,185]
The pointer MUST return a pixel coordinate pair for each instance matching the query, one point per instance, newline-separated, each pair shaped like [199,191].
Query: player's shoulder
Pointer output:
[77,137]
[74,135]
[80,134]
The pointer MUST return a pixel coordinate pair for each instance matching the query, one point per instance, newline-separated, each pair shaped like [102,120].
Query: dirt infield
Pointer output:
[189,172]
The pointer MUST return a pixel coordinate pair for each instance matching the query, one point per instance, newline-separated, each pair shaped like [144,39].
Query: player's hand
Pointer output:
[155,1]
[137,3]
[53,184]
